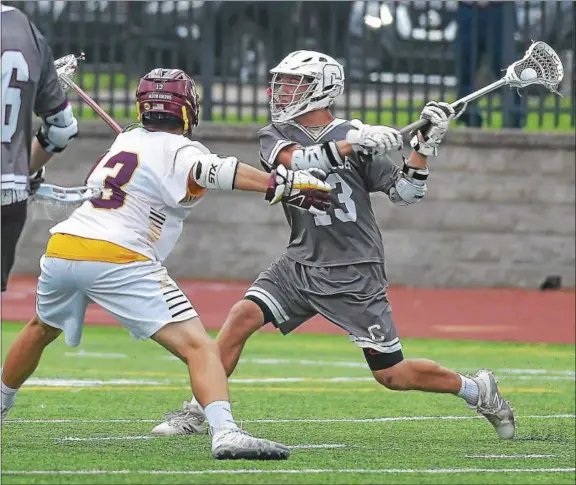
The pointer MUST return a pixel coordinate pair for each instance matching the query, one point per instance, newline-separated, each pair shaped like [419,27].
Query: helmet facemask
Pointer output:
[290,95]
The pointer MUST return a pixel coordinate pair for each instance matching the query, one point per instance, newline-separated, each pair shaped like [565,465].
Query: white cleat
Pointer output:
[491,405]
[189,420]
[236,444]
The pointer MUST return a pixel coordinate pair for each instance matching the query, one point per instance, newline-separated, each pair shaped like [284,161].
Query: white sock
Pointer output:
[8,396]
[219,415]
[469,391]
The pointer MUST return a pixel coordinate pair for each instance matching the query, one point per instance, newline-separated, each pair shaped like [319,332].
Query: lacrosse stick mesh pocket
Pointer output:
[546,64]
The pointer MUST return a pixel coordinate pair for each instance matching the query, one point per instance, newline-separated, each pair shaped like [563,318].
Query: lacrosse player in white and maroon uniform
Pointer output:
[334,264]
[110,250]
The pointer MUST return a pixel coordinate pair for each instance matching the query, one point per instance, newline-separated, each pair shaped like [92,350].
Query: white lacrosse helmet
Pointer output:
[304,81]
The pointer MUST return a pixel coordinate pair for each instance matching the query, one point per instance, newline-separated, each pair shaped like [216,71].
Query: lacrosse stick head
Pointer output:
[540,65]
[57,203]
[66,68]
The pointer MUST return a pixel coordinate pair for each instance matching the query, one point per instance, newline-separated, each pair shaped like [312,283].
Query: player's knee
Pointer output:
[43,331]
[198,344]
[245,318]
[386,368]
[390,378]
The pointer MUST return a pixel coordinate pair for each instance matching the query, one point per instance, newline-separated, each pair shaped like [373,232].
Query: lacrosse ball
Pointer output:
[528,74]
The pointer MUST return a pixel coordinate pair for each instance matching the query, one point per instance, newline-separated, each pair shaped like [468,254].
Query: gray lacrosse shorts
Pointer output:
[354,297]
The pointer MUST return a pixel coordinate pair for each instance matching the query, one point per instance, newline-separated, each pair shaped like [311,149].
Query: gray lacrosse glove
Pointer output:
[439,114]
[36,179]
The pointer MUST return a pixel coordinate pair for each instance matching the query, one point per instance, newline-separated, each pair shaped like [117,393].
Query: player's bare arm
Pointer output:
[38,157]
[298,188]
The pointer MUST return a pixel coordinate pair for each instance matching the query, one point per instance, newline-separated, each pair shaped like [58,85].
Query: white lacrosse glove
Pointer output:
[304,189]
[368,138]
[439,115]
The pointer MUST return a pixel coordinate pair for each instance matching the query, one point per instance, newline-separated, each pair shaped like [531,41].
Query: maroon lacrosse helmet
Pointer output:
[169,91]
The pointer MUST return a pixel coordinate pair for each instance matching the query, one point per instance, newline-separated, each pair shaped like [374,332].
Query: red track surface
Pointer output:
[483,314]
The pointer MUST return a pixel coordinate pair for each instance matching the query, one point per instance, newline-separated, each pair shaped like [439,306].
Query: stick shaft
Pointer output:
[471,97]
[90,102]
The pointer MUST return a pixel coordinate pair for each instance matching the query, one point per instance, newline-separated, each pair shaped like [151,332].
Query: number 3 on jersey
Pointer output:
[345,197]
[121,169]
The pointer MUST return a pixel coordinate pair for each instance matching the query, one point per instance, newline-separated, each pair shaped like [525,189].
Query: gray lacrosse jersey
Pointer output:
[347,233]
[29,83]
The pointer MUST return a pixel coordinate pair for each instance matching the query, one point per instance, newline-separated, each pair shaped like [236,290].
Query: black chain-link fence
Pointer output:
[397,54]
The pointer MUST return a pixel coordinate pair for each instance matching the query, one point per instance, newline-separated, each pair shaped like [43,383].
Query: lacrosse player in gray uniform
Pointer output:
[29,84]
[334,263]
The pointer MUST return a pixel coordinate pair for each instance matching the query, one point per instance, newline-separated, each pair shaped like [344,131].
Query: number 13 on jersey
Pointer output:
[345,197]
[117,171]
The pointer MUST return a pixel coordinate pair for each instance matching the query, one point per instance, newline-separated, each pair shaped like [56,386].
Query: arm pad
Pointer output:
[324,156]
[215,172]
[57,130]
[410,187]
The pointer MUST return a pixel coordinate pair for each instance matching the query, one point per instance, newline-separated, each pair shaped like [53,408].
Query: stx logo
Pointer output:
[212,174]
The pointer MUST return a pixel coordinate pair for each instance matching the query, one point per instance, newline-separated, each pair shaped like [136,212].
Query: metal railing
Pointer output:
[397,54]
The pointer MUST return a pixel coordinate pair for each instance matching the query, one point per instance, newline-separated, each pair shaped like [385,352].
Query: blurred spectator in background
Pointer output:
[485,28]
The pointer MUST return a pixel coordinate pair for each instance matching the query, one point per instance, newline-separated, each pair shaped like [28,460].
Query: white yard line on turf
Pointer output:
[97,355]
[363,365]
[64,382]
[147,437]
[295,420]
[509,456]
[434,471]
[105,438]
[314,447]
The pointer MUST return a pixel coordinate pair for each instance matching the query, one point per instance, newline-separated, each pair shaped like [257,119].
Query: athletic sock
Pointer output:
[219,415]
[8,396]
[469,391]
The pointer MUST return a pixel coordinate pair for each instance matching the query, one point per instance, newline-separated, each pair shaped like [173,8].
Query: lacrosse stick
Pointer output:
[66,68]
[65,196]
[59,202]
[540,65]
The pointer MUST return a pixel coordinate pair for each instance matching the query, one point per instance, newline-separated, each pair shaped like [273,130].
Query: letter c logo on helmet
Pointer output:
[169,91]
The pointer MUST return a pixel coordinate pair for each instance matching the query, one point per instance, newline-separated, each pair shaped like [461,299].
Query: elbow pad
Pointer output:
[215,172]
[324,156]
[57,130]
[410,187]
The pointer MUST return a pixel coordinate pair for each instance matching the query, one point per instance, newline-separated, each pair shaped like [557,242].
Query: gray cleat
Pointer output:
[492,406]
[189,420]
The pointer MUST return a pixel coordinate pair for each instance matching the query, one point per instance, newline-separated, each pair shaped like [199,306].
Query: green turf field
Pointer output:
[87,416]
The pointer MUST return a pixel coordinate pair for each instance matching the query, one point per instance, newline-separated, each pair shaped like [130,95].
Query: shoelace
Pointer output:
[182,417]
